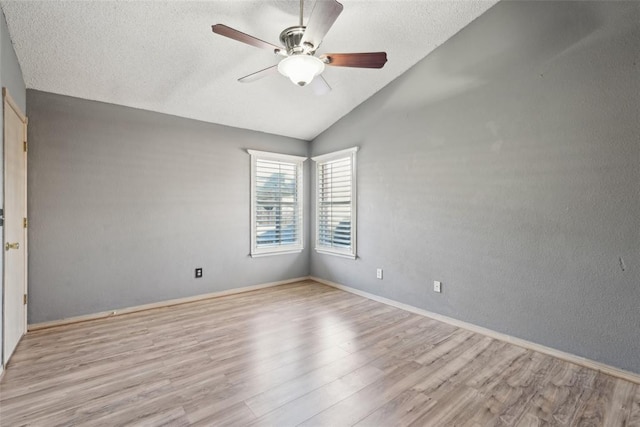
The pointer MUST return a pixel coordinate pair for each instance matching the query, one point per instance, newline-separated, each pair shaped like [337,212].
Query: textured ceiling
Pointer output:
[162,55]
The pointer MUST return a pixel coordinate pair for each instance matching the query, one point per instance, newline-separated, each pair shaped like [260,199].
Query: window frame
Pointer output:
[350,252]
[298,246]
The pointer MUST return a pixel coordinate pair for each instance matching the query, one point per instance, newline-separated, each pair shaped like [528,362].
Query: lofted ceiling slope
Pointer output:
[162,55]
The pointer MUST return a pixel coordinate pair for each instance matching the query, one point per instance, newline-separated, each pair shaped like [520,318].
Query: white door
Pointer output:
[15,233]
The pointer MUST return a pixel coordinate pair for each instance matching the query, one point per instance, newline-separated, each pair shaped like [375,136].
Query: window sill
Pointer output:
[287,252]
[338,254]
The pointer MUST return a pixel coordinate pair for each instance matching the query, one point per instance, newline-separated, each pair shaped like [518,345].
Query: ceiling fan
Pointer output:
[300,45]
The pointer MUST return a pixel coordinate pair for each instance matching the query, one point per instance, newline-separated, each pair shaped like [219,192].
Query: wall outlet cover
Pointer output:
[198,273]
[436,286]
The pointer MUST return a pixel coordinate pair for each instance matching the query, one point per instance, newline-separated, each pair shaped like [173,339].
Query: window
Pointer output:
[336,203]
[276,203]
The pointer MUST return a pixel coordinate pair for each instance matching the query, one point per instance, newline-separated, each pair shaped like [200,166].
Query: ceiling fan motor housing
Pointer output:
[291,38]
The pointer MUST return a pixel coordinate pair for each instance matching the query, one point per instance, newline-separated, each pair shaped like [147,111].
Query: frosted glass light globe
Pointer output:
[301,69]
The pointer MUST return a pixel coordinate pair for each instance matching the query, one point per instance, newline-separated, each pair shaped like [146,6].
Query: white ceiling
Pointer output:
[162,55]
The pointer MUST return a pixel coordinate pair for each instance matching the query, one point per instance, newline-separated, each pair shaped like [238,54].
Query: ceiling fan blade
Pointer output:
[223,30]
[323,15]
[359,60]
[259,74]
[320,86]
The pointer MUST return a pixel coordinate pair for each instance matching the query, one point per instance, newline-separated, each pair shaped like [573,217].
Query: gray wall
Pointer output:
[11,78]
[124,204]
[507,165]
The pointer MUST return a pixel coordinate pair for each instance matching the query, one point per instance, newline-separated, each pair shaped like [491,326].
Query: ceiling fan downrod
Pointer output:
[301,9]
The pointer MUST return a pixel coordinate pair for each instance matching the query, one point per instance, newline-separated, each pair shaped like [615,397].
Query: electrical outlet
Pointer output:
[198,273]
[379,273]
[436,286]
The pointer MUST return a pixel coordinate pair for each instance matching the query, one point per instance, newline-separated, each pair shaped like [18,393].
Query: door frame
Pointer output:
[8,100]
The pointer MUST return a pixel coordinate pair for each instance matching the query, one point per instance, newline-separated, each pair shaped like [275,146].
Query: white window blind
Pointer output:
[276,203]
[335,203]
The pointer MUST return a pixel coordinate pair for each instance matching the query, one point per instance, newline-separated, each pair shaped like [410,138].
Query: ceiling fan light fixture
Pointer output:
[301,69]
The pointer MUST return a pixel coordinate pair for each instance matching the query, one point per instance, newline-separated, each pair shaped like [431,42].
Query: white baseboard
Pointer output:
[578,360]
[120,311]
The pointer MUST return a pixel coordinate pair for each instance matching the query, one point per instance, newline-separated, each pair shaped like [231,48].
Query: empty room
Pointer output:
[320,213]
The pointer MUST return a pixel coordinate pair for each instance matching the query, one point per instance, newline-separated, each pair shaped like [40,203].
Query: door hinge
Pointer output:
[25,223]
[24,299]
[25,146]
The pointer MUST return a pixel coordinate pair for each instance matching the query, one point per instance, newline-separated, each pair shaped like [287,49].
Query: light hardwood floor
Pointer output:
[299,354]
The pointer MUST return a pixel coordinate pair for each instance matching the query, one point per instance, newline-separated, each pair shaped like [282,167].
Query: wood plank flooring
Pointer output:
[300,354]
